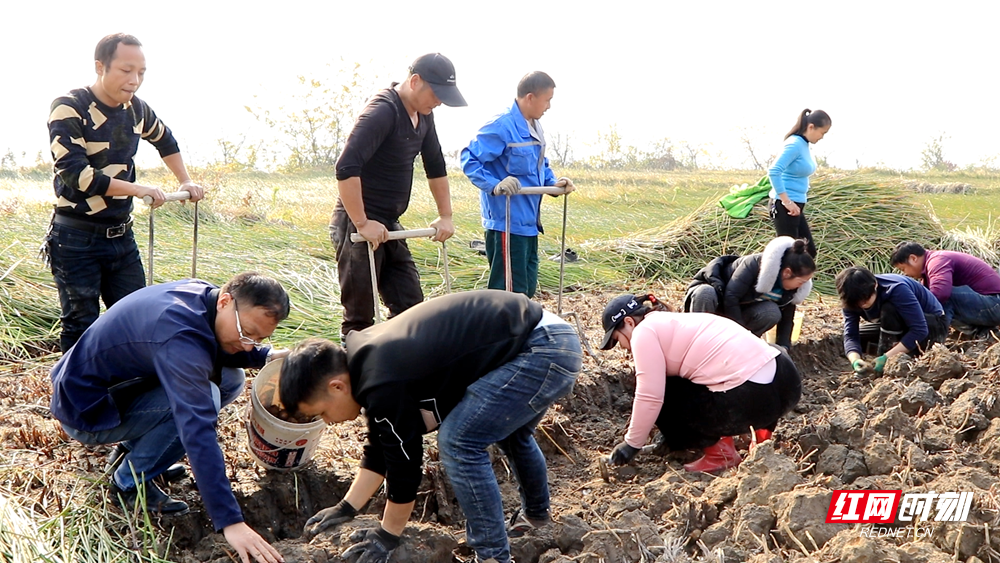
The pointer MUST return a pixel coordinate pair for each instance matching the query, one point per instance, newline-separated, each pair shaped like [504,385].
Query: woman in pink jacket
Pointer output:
[700,378]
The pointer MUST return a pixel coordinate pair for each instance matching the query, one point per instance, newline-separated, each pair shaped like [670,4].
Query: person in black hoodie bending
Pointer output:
[481,368]
[758,291]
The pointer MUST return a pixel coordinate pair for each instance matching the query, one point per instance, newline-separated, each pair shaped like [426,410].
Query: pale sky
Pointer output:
[892,75]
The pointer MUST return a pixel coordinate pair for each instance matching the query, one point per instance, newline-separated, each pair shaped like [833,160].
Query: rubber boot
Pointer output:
[760,435]
[722,455]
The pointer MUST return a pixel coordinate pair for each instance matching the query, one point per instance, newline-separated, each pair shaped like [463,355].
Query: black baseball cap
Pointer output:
[619,308]
[436,70]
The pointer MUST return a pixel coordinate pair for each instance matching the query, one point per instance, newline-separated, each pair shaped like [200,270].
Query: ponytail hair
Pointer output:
[798,259]
[818,119]
[654,304]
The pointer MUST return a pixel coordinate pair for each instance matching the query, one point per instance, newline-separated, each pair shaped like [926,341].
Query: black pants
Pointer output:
[795,227]
[89,267]
[693,416]
[398,280]
[879,336]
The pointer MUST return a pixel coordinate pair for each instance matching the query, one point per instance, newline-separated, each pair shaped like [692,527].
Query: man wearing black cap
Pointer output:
[375,177]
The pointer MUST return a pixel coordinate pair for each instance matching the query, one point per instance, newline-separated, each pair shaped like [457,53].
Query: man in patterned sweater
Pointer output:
[94,134]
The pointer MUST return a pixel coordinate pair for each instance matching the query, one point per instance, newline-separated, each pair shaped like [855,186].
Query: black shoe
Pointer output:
[174,473]
[521,524]
[115,457]
[157,501]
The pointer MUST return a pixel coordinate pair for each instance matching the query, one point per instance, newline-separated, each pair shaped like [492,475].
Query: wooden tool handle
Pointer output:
[547,190]
[396,235]
[175,196]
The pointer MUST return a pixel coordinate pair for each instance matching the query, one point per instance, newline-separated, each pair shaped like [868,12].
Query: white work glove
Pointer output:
[566,184]
[507,186]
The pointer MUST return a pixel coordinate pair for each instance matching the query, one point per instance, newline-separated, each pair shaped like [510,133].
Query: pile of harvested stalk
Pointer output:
[853,220]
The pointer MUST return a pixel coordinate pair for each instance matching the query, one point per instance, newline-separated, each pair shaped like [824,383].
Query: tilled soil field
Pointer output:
[929,425]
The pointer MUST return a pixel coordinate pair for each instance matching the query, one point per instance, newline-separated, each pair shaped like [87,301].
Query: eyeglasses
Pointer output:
[239,328]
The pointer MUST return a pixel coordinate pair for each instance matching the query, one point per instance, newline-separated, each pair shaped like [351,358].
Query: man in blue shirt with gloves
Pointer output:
[153,373]
[507,153]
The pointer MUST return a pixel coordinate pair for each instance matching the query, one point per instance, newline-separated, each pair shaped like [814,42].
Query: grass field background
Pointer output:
[277,224]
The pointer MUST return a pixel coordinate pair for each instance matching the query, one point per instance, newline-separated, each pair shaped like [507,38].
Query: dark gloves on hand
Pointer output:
[622,454]
[371,546]
[336,514]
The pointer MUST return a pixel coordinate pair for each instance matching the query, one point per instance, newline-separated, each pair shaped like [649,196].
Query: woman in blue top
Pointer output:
[790,173]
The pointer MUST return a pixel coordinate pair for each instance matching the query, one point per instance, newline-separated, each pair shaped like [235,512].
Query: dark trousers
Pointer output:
[398,279]
[88,268]
[796,227]
[523,262]
[879,336]
[693,416]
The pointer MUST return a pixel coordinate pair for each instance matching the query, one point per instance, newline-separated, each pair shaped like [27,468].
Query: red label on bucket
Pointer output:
[302,442]
[272,455]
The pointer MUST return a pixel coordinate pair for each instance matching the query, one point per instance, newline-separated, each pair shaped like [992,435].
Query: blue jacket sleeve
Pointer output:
[912,313]
[183,366]
[788,155]
[550,176]
[852,335]
[488,145]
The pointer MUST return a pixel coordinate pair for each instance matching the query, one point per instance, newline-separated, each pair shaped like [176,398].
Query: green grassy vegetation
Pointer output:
[277,224]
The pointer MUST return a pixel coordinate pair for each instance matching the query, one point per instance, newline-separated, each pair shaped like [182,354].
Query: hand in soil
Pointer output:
[249,544]
[880,364]
[622,454]
[371,546]
[861,367]
[337,514]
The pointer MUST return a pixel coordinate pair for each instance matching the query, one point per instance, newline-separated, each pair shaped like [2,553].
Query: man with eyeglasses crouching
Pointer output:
[154,372]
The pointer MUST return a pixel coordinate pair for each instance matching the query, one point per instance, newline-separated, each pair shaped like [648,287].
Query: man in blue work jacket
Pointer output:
[507,153]
[153,373]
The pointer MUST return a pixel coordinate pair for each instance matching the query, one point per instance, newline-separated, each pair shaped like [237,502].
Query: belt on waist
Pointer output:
[103,229]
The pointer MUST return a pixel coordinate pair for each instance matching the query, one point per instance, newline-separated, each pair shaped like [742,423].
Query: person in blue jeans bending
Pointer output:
[481,368]
[153,373]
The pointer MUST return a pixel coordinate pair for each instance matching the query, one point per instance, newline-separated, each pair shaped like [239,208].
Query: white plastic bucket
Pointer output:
[275,443]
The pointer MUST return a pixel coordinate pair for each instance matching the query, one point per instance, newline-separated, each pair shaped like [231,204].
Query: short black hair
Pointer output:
[310,365]
[534,83]
[903,251]
[106,47]
[855,285]
[255,290]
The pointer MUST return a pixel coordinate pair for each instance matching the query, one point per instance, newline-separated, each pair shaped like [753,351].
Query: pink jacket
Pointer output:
[708,349]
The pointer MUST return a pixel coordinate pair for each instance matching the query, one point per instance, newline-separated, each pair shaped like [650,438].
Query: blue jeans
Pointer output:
[971,308]
[149,431]
[503,407]
[88,267]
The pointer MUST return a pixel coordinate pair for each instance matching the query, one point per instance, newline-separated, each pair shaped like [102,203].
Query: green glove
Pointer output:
[880,364]
[861,367]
